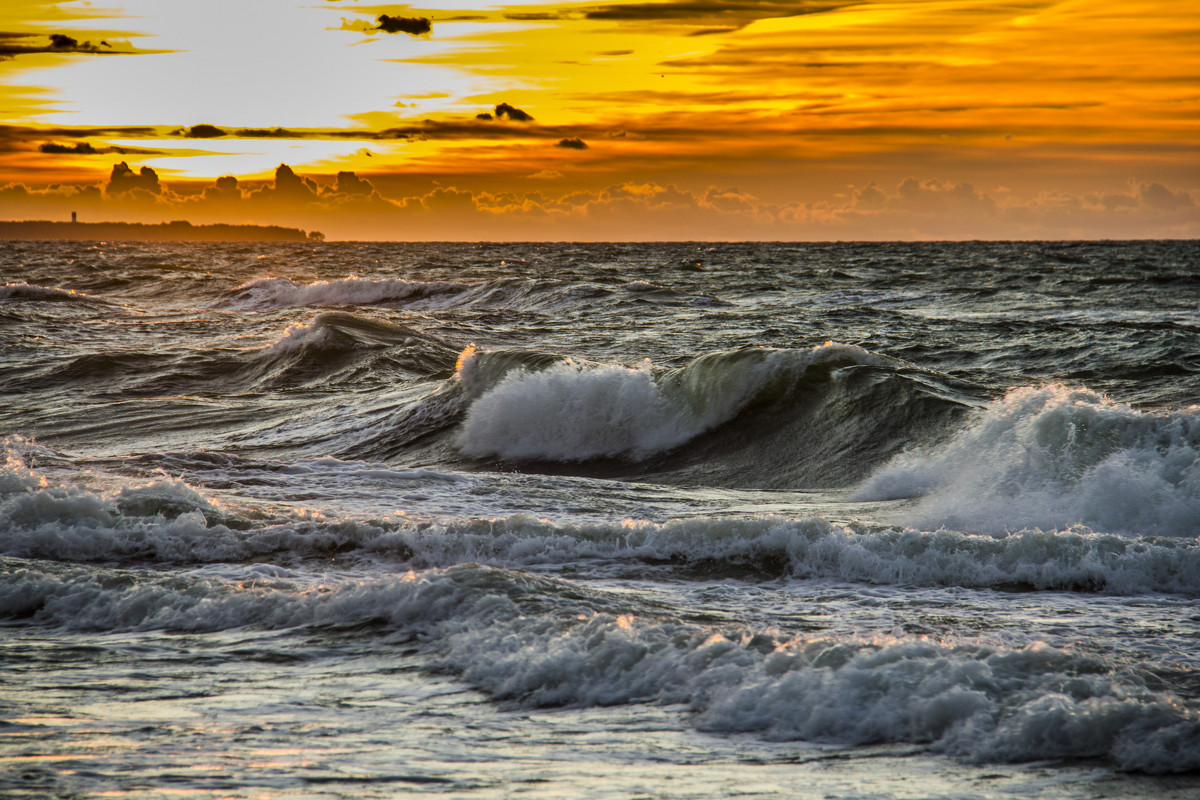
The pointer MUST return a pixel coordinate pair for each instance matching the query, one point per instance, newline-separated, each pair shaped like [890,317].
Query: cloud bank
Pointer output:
[350,206]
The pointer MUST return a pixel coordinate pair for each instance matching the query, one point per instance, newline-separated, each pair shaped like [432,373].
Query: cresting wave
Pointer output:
[337,347]
[269,293]
[1053,457]
[338,330]
[536,641]
[167,521]
[30,292]
[564,410]
[763,418]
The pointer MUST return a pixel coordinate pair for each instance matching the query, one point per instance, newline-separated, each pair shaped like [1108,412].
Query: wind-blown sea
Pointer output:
[600,520]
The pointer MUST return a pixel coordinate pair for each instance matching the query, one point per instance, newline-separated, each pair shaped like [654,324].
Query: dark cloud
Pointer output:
[535,16]
[936,197]
[289,184]
[79,148]
[88,149]
[716,16]
[14,138]
[1160,197]
[515,114]
[266,133]
[17,132]
[288,191]
[225,189]
[16,44]
[317,133]
[204,132]
[123,179]
[211,131]
[295,192]
[351,184]
[414,26]
[22,139]
[572,144]
[741,12]
[870,198]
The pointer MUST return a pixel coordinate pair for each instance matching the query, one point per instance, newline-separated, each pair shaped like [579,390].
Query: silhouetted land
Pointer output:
[177,231]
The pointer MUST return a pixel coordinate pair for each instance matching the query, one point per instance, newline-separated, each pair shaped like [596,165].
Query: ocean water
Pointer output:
[603,520]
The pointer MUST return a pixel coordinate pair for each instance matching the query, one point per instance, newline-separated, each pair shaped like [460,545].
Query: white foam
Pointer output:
[975,703]
[159,520]
[14,475]
[577,411]
[169,521]
[316,334]
[815,548]
[269,293]
[1053,457]
[541,642]
[163,521]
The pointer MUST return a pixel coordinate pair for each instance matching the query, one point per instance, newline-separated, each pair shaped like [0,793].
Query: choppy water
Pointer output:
[365,520]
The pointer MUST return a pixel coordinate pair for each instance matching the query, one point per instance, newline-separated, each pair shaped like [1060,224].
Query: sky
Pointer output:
[609,119]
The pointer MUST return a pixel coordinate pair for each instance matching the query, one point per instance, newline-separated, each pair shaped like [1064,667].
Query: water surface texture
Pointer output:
[549,520]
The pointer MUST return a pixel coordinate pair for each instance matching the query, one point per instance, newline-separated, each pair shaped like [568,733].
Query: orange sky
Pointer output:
[629,119]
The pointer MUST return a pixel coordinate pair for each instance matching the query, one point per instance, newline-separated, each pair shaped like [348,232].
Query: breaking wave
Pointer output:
[337,343]
[765,418]
[44,294]
[1053,457]
[536,641]
[166,520]
[574,411]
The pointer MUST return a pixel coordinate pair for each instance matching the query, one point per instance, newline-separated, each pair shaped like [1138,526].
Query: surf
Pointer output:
[757,417]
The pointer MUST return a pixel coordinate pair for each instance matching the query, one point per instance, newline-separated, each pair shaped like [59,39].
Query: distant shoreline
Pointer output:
[176,231]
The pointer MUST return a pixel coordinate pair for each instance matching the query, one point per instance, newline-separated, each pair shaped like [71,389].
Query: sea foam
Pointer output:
[1053,457]
[536,641]
[165,520]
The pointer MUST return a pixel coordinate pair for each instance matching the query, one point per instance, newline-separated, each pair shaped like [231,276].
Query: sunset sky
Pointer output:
[609,119]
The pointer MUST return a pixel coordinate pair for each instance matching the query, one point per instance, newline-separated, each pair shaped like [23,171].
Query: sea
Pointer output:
[554,520]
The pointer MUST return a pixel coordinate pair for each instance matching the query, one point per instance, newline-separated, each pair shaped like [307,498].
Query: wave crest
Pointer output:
[562,410]
[168,521]
[43,294]
[270,293]
[1053,457]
